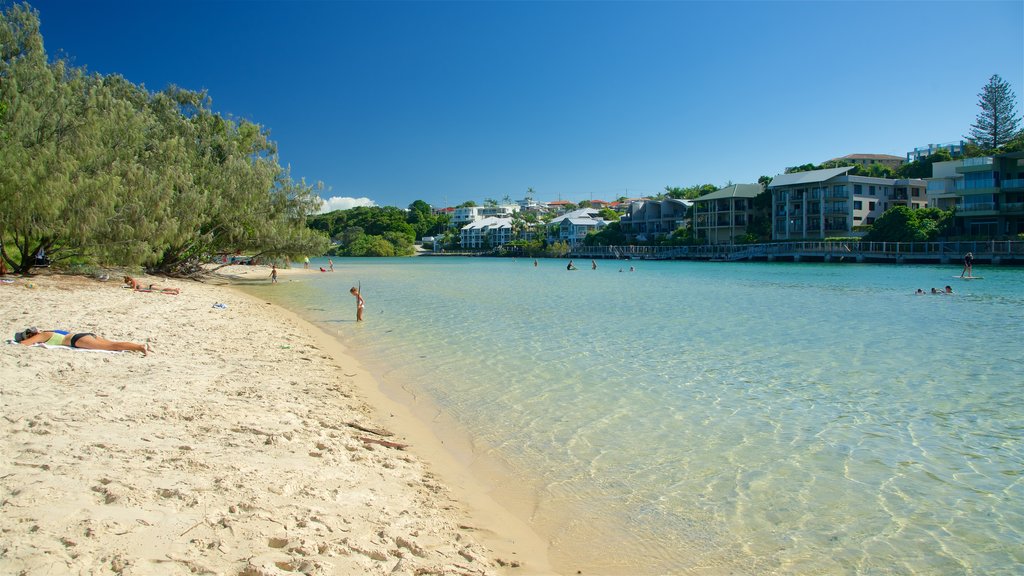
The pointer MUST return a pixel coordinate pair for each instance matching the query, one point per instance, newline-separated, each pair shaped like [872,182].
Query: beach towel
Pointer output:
[45,345]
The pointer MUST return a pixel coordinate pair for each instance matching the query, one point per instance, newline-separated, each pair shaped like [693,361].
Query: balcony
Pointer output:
[1013,206]
[976,207]
[982,184]
[1015,184]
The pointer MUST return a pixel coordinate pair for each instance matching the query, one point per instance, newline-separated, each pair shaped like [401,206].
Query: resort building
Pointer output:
[648,219]
[869,159]
[987,192]
[466,214]
[723,215]
[830,202]
[574,226]
[489,232]
[955,150]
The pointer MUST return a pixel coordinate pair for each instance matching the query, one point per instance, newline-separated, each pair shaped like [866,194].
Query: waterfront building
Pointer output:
[866,160]
[723,215]
[573,227]
[987,192]
[830,202]
[486,232]
[648,219]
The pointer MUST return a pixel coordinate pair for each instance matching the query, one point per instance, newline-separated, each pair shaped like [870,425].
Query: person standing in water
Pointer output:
[968,265]
[273,273]
[359,303]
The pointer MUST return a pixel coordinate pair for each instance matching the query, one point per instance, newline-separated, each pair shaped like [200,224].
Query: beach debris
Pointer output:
[370,430]
[220,305]
[383,443]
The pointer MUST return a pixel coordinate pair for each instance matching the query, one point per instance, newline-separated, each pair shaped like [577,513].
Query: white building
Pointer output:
[486,232]
[574,226]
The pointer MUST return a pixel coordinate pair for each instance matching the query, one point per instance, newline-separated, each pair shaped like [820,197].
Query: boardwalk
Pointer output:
[987,252]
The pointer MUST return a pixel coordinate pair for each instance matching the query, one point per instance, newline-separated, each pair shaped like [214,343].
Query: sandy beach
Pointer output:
[246,443]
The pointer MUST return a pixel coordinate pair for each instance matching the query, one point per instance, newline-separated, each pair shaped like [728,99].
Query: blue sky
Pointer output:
[390,102]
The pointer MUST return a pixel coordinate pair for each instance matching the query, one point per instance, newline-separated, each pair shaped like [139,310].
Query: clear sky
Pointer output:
[390,102]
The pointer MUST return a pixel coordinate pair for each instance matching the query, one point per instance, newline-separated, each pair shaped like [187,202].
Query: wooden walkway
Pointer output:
[989,252]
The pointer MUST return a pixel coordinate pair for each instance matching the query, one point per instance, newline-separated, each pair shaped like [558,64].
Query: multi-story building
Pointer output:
[955,149]
[647,219]
[723,215]
[466,214]
[486,232]
[987,192]
[573,227]
[869,159]
[830,202]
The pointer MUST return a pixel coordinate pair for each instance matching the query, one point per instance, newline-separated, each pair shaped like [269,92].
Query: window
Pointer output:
[857,188]
[857,205]
[871,206]
[871,190]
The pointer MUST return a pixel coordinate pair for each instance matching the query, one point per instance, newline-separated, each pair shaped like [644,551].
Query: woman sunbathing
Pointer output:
[84,340]
[138,287]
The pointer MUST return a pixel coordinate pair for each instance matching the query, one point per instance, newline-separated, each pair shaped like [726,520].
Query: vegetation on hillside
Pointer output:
[378,230]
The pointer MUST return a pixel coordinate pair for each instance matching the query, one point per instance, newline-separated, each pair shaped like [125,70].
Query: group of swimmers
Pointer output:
[947,290]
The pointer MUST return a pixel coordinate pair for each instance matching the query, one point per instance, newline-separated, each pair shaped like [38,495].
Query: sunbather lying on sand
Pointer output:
[138,287]
[85,340]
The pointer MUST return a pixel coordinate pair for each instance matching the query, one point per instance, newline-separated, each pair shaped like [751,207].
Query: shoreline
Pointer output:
[229,449]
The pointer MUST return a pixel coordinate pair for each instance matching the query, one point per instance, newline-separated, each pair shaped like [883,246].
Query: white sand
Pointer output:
[228,450]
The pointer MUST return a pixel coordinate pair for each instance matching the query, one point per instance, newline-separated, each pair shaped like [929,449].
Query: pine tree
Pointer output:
[997,123]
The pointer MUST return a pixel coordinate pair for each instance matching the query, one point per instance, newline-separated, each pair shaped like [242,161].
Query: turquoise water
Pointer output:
[703,418]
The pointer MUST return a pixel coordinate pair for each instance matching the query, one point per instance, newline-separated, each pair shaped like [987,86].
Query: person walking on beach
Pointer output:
[273,273]
[359,303]
[305,263]
[968,265]
[330,265]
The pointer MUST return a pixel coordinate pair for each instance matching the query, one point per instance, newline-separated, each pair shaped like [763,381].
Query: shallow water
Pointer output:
[696,418]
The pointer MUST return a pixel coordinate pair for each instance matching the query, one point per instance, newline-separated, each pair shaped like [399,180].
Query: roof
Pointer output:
[870,157]
[581,213]
[810,177]
[734,191]
[489,222]
[585,221]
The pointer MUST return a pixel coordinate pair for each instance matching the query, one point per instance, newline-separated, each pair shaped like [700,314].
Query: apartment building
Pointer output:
[921,152]
[647,219]
[486,232]
[723,215]
[987,193]
[574,226]
[830,202]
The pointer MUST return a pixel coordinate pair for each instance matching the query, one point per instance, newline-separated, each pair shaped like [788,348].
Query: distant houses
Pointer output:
[987,194]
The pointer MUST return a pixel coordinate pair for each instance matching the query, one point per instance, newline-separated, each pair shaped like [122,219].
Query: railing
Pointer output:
[885,250]
[1013,183]
[979,161]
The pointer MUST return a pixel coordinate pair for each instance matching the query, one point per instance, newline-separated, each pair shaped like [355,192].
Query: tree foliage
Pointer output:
[901,224]
[98,169]
[369,230]
[997,123]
